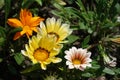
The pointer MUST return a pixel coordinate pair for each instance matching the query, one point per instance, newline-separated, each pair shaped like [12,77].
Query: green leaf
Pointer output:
[80,4]
[31,68]
[7,9]
[2,3]
[86,74]
[72,38]
[85,41]
[2,40]
[15,30]
[27,3]
[58,6]
[117,6]
[90,30]
[109,71]
[82,26]
[39,2]
[95,65]
[19,58]
[117,71]
[1,60]
[2,32]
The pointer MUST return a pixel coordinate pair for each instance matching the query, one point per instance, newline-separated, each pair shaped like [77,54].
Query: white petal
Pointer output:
[24,53]
[68,63]
[70,66]
[77,66]
[81,68]
[88,54]
[87,60]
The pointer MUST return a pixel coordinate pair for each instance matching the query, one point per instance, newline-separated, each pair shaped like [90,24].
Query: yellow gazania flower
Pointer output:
[26,22]
[42,49]
[56,29]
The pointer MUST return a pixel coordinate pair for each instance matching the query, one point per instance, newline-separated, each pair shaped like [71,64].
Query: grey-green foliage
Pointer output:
[92,17]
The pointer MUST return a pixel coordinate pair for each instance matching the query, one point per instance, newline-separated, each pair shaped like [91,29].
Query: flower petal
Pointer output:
[35,21]
[14,22]
[56,60]
[43,66]
[25,16]
[17,35]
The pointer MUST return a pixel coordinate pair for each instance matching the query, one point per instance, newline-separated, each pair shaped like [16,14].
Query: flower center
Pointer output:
[76,61]
[41,54]
[54,35]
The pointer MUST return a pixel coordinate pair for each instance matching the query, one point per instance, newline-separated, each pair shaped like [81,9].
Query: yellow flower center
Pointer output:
[54,35]
[76,61]
[41,54]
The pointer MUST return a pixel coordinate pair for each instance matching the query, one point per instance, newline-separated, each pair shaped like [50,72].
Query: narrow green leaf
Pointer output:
[27,3]
[85,41]
[31,68]
[109,71]
[58,6]
[1,60]
[39,2]
[117,71]
[15,30]
[7,9]
[19,58]
[86,74]
[2,40]
[72,38]
[117,6]
[2,32]
[82,26]
[2,3]
[80,4]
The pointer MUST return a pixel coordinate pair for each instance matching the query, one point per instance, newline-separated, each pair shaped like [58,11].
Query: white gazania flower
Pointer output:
[55,28]
[78,58]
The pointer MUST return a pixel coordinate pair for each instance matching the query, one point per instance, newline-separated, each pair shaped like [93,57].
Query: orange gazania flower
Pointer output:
[27,22]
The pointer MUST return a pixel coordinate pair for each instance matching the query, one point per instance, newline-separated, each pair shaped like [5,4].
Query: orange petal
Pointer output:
[35,21]
[26,30]
[14,22]
[34,29]
[22,32]
[27,35]
[17,35]
[25,16]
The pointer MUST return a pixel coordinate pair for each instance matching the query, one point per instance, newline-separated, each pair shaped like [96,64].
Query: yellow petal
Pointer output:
[14,22]
[56,60]
[43,66]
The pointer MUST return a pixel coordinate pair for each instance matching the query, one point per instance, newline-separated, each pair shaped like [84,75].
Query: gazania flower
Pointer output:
[109,60]
[78,58]
[56,29]
[26,22]
[116,40]
[42,50]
